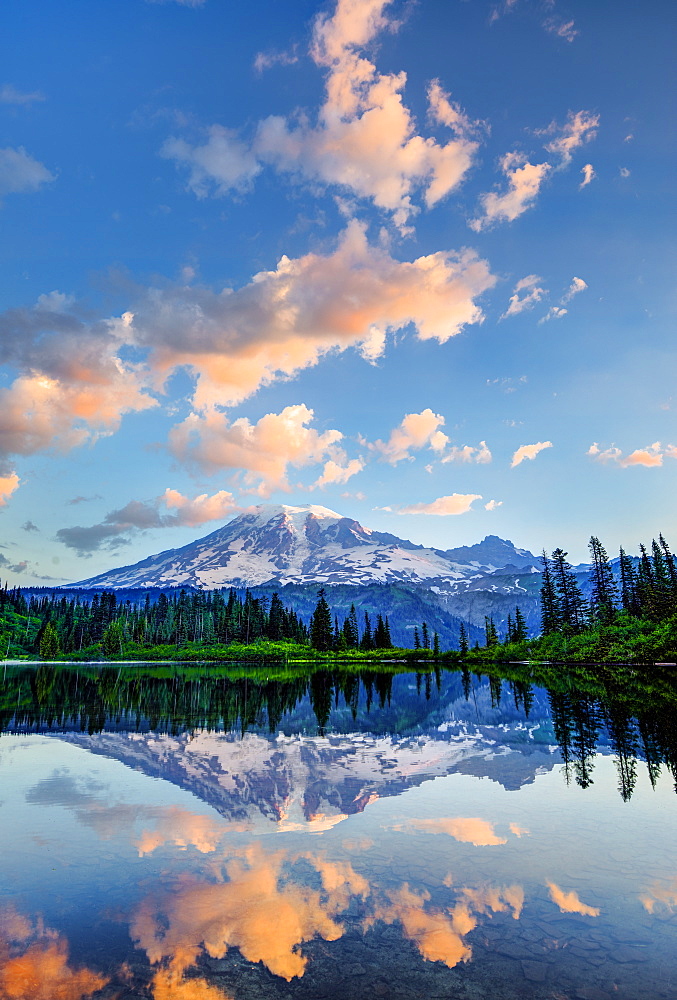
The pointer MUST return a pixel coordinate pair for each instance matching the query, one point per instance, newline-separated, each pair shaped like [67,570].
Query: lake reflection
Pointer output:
[210,835]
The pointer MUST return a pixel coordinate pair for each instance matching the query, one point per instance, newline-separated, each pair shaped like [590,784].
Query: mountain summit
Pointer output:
[276,543]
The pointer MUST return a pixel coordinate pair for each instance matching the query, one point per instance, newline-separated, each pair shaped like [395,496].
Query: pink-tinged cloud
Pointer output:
[200,509]
[8,484]
[285,320]
[416,431]
[118,526]
[524,183]
[528,451]
[364,140]
[577,285]
[588,172]
[563,29]
[526,294]
[456,503]
[579,128]
[650,457]
[569,902]
[661,896]
[264,450]
[466,829]
[334,473]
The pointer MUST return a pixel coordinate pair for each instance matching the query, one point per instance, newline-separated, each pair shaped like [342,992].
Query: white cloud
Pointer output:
[554,312]
[365,139]
[532,293]
[588,172]
[493,504]
[563,29]
[624,172]
[223,162]
[10,95]
[577,285]
[20,172]
[650,457]
[524,183]
[457,503]
[416,431]
[529,451]
[481,454]
[265,60]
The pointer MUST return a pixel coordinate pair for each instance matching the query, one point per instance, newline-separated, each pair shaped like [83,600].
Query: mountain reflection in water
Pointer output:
[208,833]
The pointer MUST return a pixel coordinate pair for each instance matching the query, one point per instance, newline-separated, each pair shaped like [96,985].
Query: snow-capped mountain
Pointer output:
[310,545]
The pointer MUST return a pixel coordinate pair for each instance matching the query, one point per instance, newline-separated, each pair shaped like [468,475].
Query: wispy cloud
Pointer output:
[526,294]
[528,451]
[266,60]
[651,457]
[19,172]
[524,183]
[456,503]
[467,453]
[170,510]
[10,95]
[588,172]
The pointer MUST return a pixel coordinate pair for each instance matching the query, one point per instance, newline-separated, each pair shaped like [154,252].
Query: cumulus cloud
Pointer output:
[20,172]
[334,473]
[493,504]
[8,484]
[364,140]
[588,172]
[466,829]
[481,454]
[10,95]
[650,457]
[119,525]
[529,451]
[416,431]
[456,503]
[524,183]
[569,902]
[29,526]
[34,961]
[265,450]
[285,320]
[75,383]
[526,294]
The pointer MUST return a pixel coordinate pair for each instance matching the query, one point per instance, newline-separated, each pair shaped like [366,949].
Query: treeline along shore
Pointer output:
[628,614]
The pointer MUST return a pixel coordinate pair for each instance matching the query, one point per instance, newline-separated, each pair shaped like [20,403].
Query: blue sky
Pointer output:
[410,261]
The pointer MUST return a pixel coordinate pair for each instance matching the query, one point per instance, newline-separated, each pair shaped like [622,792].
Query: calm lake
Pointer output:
[207,833]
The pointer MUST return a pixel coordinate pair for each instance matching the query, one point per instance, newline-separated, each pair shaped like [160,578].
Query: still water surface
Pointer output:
[196,835]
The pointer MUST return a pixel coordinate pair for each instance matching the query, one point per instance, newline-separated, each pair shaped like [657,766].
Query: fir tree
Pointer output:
[604,591]
[321,632]
[551,617]
[462,639]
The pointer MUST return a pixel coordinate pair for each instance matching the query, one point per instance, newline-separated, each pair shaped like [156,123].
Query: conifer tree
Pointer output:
[425,637]
[367,640]
[604,591]
[551,617]
[520,631]
[629,596]
[321,632]
[571,601]
[417,640]
[462,639]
